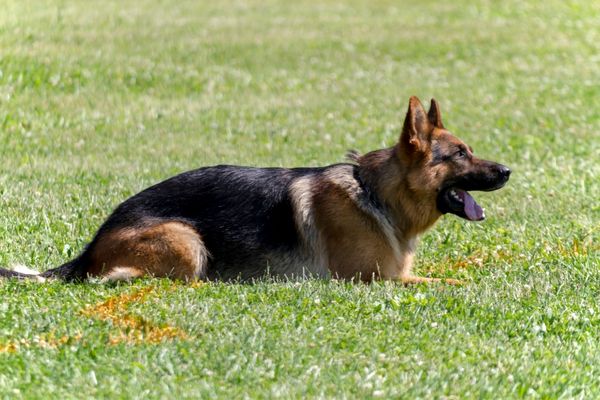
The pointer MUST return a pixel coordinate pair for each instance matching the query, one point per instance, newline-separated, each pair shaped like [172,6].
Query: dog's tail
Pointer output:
[21,272]
[70,271]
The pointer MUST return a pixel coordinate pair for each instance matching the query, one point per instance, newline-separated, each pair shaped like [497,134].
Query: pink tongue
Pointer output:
[473,210]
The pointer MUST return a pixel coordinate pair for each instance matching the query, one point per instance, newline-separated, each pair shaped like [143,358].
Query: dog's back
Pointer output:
[246,220]
[245,217]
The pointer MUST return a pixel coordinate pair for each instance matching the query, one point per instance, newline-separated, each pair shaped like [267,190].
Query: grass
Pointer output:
[99,100]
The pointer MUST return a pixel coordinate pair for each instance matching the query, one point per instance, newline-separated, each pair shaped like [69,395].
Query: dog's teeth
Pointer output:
[455,196]
[452,193]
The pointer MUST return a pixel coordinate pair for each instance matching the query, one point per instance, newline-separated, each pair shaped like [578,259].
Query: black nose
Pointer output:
[504,171]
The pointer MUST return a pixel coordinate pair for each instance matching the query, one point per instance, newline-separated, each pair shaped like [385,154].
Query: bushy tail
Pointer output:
[69,271]
[21,272]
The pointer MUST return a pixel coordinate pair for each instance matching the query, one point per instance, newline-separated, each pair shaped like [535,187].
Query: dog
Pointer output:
[359,220]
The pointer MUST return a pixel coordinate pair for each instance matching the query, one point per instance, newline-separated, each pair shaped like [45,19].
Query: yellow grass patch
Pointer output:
[131,329]
[48,341]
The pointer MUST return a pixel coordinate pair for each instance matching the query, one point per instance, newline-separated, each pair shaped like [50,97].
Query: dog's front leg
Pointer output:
[412,280]
[402,273]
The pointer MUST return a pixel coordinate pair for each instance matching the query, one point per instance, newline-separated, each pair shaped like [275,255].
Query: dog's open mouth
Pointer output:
[453,196]
[460,202]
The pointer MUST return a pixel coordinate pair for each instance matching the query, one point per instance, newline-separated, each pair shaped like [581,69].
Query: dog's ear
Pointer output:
[416,126]
[434,115]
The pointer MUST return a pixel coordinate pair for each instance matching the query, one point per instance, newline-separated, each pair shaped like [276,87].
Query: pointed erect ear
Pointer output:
[434,115]
[416,125]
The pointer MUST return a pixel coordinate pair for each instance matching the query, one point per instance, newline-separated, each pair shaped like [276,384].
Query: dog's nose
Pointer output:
[504,171]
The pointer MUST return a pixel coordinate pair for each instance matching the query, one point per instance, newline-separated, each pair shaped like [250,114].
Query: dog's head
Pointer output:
[440,165]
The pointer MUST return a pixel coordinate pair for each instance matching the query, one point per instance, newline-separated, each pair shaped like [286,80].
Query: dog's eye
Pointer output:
[461,153]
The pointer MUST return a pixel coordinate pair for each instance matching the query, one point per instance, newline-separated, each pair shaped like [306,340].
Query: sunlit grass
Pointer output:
[99,100]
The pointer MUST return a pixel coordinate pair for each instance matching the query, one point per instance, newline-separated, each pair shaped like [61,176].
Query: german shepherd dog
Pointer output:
[353,221]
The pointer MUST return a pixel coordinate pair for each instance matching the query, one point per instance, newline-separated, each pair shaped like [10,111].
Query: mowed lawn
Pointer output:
[98,100]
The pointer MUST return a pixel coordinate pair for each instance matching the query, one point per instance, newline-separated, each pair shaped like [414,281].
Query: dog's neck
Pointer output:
[385,175]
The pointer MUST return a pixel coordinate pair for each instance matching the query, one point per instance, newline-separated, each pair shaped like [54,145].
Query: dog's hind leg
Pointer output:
[170,249]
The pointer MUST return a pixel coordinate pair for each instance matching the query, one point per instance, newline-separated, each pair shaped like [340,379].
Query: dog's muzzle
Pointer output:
[454,197]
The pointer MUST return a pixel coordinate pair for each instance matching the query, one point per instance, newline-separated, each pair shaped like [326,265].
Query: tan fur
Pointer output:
[341,177]
[301,193]
[171,249]
[123,274]
[359,242]
[354,245]
[403,268]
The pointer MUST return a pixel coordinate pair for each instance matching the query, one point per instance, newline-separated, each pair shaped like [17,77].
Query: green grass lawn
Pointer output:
[101,99]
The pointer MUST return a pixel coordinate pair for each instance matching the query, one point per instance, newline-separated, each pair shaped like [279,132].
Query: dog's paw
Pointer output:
[414,280]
